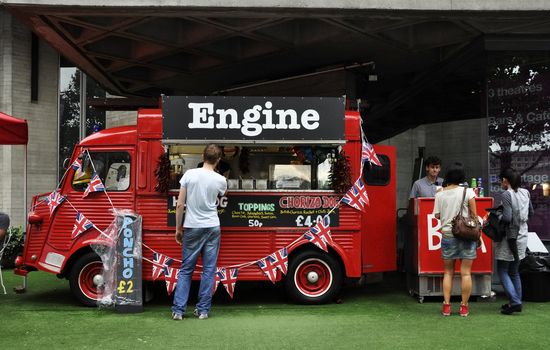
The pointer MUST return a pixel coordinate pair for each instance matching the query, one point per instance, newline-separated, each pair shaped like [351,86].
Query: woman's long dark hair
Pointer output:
[512,176]
[455,174]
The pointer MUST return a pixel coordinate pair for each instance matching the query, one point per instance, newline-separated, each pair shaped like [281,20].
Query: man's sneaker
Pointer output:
[177,317]
[200,316]
[464,311]
[446,311]
[511,309]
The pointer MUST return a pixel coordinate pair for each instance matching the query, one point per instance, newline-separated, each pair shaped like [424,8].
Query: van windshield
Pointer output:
[113,168]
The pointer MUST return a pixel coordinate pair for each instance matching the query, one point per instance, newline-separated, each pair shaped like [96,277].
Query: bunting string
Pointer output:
[319,234]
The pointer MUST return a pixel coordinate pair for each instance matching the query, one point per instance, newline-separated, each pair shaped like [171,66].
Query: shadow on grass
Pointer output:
[46,291]
[265,293]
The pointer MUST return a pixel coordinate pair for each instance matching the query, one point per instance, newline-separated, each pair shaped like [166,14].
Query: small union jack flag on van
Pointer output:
[77,164]
[95,185]
[81,224]
[268,268]
[357,197]
[318,241]
[280,259]
[54,199]
[368,154]
[228,278]
[322,230]
[160,261]
[171,278]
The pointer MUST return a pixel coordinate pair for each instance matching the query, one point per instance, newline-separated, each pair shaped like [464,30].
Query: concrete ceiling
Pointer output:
[147,51]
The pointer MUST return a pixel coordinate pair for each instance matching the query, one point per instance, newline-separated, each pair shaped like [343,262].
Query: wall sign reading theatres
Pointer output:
[253,119]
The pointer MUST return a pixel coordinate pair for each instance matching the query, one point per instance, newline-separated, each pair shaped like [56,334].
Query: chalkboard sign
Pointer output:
[288,210]
[128,287]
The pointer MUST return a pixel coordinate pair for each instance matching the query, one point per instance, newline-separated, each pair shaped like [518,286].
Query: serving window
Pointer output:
[266,167]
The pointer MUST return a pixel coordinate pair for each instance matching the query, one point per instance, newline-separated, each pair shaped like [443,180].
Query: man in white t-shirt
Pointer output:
[200,189]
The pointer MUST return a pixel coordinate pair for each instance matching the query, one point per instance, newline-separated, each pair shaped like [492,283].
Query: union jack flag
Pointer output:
[77,164]
[268,268]
[54,200]
[160,261]
[322,230]
[171,278]
[216,279]
[318,241]
[368,154]
[228,278]
[95,185]
[280,259]
[351,198]
[362,191]
[80,225]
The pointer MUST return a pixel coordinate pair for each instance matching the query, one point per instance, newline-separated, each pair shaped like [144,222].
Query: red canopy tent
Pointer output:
[14,131]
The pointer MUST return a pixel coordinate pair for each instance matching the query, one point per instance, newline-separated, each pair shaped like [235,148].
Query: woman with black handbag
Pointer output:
[517,209]
[451,200]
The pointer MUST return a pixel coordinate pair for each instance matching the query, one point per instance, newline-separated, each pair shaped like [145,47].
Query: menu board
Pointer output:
[270,210]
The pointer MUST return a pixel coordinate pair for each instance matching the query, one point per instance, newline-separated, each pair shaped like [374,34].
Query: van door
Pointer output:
[116,170]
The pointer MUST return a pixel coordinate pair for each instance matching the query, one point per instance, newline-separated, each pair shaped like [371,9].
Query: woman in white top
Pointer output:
[447,204]
[516,210]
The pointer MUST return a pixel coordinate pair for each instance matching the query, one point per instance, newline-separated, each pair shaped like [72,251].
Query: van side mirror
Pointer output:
[66,163]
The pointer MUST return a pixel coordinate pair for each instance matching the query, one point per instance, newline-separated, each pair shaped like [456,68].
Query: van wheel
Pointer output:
[313,277]
[86,279]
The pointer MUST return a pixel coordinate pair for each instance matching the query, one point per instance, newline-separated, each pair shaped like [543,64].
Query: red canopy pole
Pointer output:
[25,191]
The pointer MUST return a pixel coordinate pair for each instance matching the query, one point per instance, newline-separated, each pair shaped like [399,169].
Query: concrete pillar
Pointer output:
[41,115]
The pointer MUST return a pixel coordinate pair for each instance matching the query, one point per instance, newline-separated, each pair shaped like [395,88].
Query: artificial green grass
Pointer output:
[379,316]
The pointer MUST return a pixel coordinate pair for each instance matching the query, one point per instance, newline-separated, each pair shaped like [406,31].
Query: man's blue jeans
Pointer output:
[206,242]
[510,280]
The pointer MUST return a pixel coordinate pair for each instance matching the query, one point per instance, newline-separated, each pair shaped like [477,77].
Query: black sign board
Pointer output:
[287,210]
[192,119]
[128,287]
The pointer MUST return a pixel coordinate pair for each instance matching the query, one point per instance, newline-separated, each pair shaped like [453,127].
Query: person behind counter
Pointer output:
[429,184]
[516,210]
[199,191]
[447,204]
[223,167]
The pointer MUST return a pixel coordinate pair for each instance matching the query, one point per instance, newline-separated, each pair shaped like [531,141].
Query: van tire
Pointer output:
[314,277]
[83,279]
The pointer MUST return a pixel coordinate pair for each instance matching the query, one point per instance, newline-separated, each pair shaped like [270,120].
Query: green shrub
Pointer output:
[14,247]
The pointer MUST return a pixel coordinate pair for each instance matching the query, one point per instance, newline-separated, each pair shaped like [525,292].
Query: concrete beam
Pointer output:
[431,5]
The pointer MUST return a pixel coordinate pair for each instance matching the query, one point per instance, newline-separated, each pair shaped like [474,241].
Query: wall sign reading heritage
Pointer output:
[244,210]
[519,132]
[254,119]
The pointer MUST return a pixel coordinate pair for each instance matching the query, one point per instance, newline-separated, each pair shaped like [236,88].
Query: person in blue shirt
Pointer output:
[429,184]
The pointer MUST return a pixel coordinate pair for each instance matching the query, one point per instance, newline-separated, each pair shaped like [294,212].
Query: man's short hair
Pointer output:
[4,221]
[212,153]
[432,160]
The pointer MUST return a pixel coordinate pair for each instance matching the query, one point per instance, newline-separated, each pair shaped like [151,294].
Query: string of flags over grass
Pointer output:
[319,235]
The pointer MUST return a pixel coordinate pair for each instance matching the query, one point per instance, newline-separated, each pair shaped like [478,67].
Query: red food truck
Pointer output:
[279,152]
